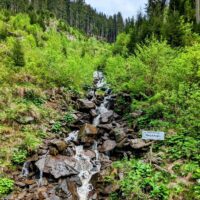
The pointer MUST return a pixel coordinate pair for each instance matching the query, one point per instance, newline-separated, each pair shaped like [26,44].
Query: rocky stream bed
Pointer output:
[73,167]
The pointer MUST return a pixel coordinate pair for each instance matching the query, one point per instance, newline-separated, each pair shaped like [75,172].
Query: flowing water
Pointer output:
[85,165]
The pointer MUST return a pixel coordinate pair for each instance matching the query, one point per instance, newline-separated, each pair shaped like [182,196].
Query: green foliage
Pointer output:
[19,156]
[183,146]
[31,141]
[6,186]
[68,118]
[18,55]
[56,127]
[33,97]
[141,181]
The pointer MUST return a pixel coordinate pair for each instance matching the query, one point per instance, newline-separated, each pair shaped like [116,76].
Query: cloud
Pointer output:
[128,8]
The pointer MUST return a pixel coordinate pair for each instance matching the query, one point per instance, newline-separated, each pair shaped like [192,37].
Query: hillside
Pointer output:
[76,13]
[73,108]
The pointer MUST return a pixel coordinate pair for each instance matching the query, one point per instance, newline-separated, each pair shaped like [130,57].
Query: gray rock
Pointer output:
[58,166]
[105,117]
[86,104]
[105,126]
[108,145]
[93,113]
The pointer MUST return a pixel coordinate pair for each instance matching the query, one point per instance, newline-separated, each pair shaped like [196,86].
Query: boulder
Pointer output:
[59,166]
[107,146]
[139,143]
[93,113]
[86,104]
[105,117]
[107,127]
[87,133]
[119,134]
[89,153]
[60,145]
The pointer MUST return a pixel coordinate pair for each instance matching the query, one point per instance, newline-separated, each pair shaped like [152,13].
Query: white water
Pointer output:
[85,166]
[25,170]
[103,107]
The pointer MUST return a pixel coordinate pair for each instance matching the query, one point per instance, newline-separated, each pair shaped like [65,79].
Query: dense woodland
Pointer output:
[152,65]
[76,13]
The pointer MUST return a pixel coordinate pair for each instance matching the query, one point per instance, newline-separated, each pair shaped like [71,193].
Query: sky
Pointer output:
[128,8]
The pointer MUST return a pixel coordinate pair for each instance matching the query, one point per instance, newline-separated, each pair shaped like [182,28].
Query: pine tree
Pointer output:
[18,54]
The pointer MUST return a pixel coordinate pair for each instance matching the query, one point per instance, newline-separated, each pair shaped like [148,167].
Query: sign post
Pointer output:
[152,135]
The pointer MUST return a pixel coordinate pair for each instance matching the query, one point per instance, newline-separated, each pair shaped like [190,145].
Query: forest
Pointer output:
[78,88]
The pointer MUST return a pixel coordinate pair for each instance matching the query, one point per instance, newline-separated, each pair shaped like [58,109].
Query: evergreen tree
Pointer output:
[18,54]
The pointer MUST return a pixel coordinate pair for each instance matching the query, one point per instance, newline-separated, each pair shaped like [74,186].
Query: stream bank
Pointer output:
[73,166]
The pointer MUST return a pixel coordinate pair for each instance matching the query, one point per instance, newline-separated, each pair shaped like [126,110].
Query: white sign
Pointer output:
[153,135]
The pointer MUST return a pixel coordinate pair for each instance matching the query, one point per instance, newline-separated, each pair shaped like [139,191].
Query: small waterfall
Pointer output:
[104,107]
[85,166]
[25,169]
[41,165]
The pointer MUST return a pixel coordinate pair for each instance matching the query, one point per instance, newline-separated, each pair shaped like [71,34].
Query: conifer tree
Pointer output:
[18,54]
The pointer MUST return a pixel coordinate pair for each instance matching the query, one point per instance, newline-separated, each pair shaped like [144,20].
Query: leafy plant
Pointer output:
[56,127]
[141,181]
[19,156]
[6,186]
[68,118]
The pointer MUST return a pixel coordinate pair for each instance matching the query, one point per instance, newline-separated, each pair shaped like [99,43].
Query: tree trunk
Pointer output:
[198,11]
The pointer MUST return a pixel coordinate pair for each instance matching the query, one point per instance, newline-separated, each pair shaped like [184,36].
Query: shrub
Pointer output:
[6,186]
[19,156]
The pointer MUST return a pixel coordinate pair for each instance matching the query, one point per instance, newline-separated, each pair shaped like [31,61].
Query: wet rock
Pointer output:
[59,144]
[139,143]
[105,117]
[59,166]
[86,104]
[108,145]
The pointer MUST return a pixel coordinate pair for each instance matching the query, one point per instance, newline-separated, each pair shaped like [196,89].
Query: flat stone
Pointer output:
[105,126]
[86,104]
[139,143]
[57,166]
[89,153]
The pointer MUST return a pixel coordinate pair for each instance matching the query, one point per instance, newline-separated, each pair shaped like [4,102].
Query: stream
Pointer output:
[72,167]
